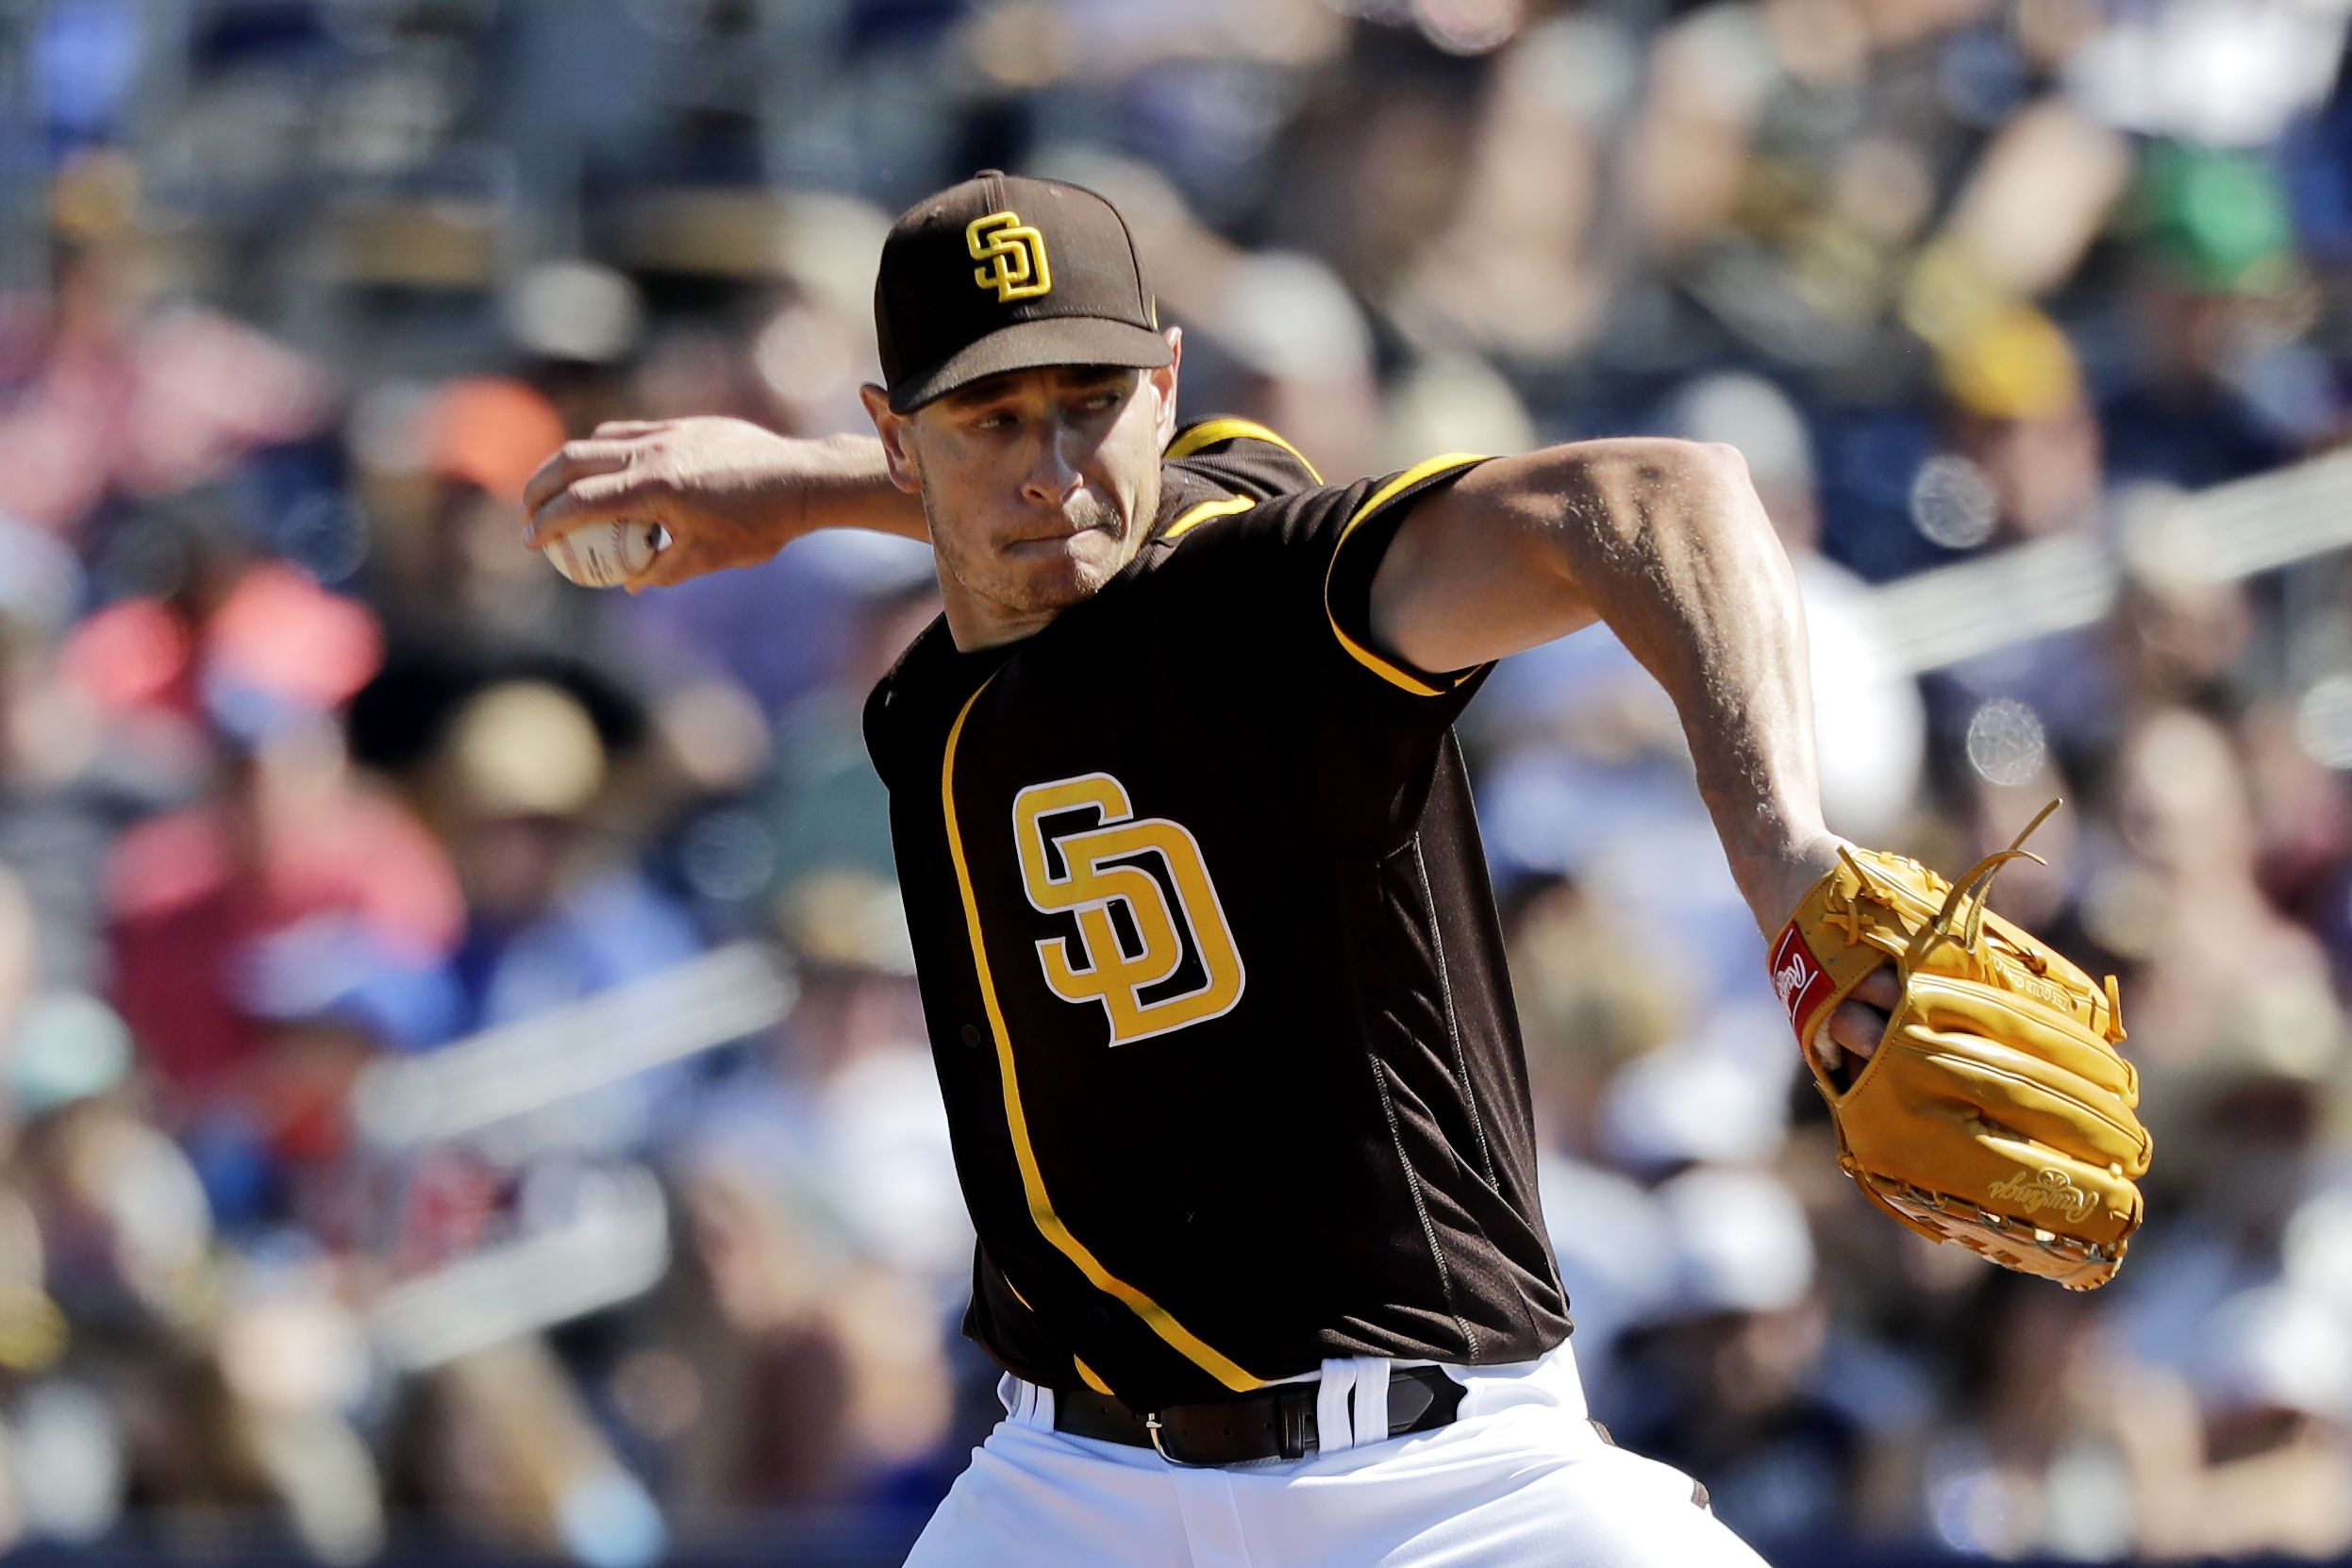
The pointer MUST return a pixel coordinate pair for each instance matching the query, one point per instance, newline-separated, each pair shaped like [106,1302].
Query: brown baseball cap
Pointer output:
[1001,274]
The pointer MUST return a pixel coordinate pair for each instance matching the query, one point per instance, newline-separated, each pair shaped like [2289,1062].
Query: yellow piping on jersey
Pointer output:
[1032,1183]
[1207,511]
[1381,497]
[1092,1379]
[1208,432]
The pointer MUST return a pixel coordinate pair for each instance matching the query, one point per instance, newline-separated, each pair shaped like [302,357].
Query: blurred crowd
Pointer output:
[313,783]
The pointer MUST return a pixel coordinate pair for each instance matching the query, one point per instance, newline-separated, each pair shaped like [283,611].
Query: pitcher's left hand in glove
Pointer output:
[1996,1111]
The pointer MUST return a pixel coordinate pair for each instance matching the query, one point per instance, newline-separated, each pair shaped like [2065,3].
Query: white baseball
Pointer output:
[606,555]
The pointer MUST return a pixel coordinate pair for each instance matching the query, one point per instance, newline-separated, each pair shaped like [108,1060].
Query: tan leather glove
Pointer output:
[1996,1112]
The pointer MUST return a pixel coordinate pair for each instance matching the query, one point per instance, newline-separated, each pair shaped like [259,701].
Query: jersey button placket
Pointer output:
[972,1036]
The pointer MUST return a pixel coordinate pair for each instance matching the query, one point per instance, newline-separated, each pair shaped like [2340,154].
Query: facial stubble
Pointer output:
[1086,512]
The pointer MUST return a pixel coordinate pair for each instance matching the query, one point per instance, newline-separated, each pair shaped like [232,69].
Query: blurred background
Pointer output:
[461,1088]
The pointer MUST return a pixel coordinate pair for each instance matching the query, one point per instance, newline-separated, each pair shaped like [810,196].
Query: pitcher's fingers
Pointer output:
[546,481]
[572,461]
[1855,1027]
[598,498]
[681,560]
[613,430]
[673,563]
[1880,988]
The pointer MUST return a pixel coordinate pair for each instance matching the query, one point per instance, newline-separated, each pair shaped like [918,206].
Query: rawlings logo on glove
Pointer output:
[2050,1190]
[1996,1112]
[1796,975]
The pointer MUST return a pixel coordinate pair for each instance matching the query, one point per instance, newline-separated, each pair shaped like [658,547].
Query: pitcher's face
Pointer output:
[1038,486]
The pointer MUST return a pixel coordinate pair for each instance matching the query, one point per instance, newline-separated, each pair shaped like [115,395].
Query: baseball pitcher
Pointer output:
[1212,968]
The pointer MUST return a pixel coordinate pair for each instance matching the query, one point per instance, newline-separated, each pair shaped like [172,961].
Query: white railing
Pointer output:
[612,1241]
[2231,531]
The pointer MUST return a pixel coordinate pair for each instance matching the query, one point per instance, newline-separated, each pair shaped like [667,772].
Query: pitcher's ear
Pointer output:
[1163,380]
[897,433]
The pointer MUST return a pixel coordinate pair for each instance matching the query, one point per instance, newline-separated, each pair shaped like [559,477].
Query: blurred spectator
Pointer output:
[2060,1447]
[449,504]
[107,391]
[2274,1380]
[2184,904]
[843,1092]
[824,807]
[1615,1257]
[2021,419]
[1590,1002]
[175,1391]
[498,1443]
[2026,469]
[1305,355]
[2220,389]
[578,326]
[554,911]
[1725,1382]
[2243,1126]
[69,778]
[2179,641]
[292,842]
[830,1245]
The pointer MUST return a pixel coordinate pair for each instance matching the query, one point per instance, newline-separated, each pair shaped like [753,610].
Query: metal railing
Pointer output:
[608,1241]
[1957,612]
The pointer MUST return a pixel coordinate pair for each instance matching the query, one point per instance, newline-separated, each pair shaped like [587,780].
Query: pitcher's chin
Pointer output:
[1061,572]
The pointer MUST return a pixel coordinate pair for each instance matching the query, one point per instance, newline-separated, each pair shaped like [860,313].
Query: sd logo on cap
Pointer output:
[1016,254]
[1056,282]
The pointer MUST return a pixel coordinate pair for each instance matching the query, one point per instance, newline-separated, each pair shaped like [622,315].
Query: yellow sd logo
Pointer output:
[1110,864]
[1016,254]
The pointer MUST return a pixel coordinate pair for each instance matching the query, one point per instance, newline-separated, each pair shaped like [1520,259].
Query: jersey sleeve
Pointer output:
[1299,567]
[1331,537]
[1358,539]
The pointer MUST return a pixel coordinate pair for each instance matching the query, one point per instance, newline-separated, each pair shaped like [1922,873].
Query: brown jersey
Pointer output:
[1211,963]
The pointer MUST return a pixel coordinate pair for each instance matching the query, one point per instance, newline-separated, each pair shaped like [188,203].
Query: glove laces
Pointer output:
[1978,882]
[1962,918]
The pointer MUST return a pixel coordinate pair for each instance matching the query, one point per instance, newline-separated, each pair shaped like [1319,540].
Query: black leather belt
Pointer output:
[1277,1422]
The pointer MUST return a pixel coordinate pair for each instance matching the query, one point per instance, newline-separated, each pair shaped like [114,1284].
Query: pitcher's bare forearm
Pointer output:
[848,485]
[1667,543]
[728,493]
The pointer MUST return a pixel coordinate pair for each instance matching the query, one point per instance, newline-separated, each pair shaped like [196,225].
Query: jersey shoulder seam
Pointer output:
[1205,511]
[1196,439]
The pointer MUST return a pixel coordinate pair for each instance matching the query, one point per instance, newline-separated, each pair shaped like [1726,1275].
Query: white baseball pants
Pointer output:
[1520,1479]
